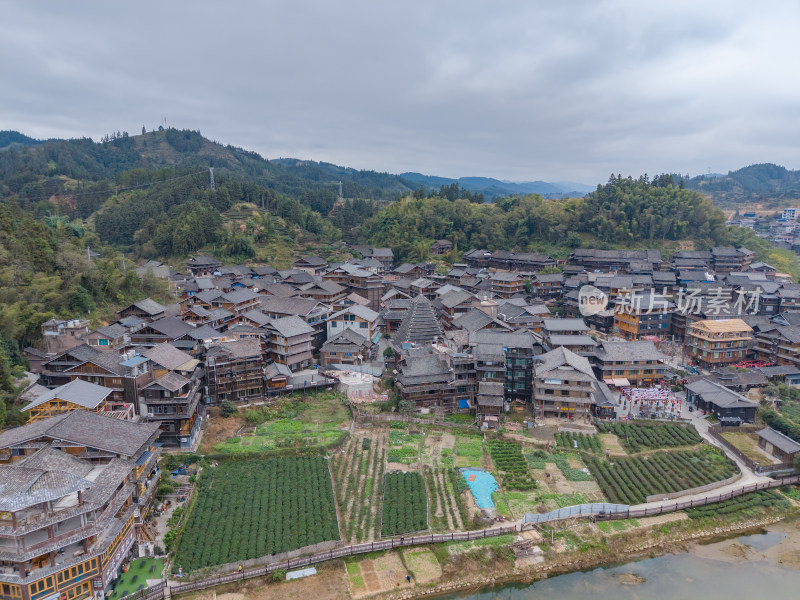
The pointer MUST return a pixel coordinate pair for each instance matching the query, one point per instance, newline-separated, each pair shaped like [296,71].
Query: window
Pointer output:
[362,325]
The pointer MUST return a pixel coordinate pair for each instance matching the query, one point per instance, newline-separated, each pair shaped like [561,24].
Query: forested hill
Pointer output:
[15,138]
[762,183]
[59,166]
[625,212]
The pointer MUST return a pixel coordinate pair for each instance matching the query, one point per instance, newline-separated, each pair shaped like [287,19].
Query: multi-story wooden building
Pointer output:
[364,283]
[75,395]
[359,318]
[202,265]
[147,310]
[779,344]
[290,342]
[428,381]
[641,315]
[715,343]
[638,362]
[627,261]
[73,491]
[348,347]
[506,285]
[313,312]
[234,370]
[564,385]
[727,259]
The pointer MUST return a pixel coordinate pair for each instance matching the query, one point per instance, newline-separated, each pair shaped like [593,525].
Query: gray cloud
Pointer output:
[526,90]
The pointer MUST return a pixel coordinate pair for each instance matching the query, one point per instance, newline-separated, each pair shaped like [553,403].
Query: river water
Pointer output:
[684,576]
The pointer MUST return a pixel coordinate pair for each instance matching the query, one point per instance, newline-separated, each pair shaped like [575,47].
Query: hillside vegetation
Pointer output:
[45,273]
[766,183]
[625,212]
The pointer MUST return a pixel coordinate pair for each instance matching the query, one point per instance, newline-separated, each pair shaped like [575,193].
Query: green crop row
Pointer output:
[251,508]
[638,436]
[405,504]
[631,480]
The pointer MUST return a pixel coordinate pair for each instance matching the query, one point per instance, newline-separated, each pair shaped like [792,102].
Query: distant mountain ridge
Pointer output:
[15,138]
[492,188]
[755,183]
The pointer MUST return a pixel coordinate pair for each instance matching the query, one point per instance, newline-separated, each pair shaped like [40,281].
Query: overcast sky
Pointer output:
[514,90]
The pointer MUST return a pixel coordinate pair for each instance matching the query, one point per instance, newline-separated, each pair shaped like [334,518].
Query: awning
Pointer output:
[617,382]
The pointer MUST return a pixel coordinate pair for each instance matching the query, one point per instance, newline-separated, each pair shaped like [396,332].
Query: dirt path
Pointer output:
[219,429]
[611,443]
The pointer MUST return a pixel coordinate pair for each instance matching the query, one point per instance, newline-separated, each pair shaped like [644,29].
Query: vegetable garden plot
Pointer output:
[253,508]
[584,442]
[511,465]
[405,504]
[636,437]
[631,480]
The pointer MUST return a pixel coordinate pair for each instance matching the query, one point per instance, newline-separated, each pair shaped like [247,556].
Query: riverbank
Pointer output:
[470,567]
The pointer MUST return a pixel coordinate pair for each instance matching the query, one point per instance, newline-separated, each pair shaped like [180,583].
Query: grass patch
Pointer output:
[500,504]
[747,443]
[290,423]
[468,451]
[138,572]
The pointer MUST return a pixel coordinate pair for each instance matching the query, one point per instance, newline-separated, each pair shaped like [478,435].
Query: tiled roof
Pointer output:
[559,358]
[288,306]
[358,310]
[22,487]
[244,348]
[169,381]
[291,326]
[82,393]
[172,327]
[348,337]
[420,325]
[85,428]
[151,307]
[780,441]
[169,357]
[629,351]
[554,325]
[719,395]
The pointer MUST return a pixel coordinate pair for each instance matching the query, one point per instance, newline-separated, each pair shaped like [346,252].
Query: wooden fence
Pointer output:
[716,431]
[676,506]
[163,590]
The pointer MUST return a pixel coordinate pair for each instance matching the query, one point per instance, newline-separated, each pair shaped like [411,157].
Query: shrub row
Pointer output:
[511,465]
[631,480]
[636,436]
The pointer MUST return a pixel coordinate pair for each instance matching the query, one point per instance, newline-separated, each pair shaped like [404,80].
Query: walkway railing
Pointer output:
[159,591]
[599,511]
